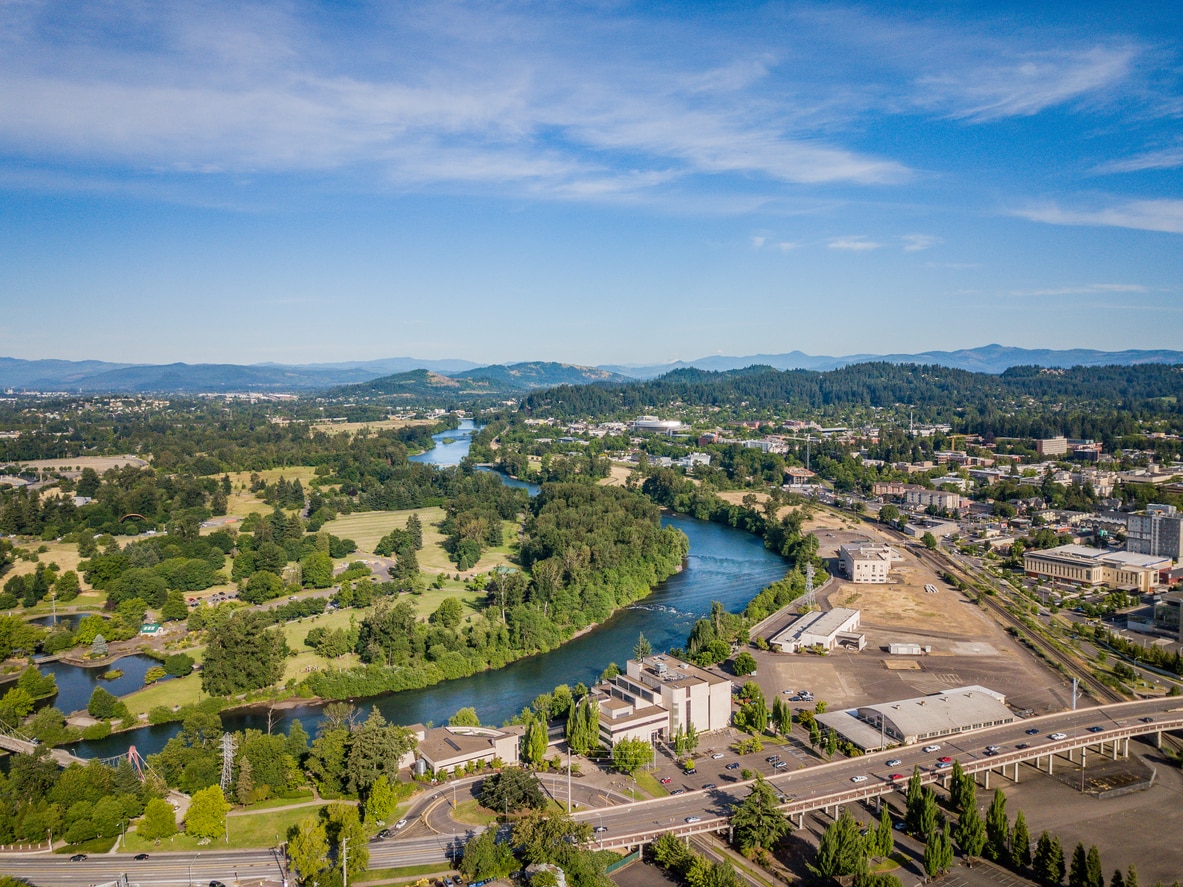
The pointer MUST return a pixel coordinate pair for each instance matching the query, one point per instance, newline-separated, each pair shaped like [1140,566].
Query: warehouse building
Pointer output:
[922,719]
[827,630]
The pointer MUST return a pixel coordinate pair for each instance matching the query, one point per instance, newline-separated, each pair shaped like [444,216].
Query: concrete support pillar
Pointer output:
[1126,751]
[986,777]
[1158,739]
[1050,758]
[1016,772]
[800,820]
[1115,749]
[1084,757]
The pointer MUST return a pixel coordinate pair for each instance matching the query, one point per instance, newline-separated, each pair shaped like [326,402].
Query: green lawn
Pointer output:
[407,872]
[175,691]
[472,813]
[252,830]
[648,783]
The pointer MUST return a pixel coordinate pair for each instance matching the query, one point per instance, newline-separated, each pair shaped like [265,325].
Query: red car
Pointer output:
[896,777]
[945,760]
[666,780]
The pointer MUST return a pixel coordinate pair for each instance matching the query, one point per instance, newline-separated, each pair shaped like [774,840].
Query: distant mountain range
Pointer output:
[411,377]
[987,359]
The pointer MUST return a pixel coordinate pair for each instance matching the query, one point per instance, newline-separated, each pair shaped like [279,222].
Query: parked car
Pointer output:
[690,771]
[665,780]
[709,785]
[717,755]
[678,791]
[734,765]
[780,765]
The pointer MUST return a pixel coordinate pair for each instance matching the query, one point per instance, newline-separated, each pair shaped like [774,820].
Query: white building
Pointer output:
[833,628]
[940,499]
[658,695]
[867,561]
[924,718]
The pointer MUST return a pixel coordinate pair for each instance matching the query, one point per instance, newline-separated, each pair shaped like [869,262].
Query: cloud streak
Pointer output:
[1143,215]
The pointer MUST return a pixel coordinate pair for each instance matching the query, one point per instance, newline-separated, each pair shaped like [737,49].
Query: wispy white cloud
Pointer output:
[914,243]
[1023,85]
[858,243]
[1084,289]
[207,90]
[1167,158]
[1143,215]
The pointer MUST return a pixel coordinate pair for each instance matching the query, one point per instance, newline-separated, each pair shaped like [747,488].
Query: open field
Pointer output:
[368,527]
[968,647]
[354,427]
[75,464]
[175,691]
[251,830]
[618,474]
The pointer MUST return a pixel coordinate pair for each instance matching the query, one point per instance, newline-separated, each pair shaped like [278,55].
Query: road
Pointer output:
[627,824]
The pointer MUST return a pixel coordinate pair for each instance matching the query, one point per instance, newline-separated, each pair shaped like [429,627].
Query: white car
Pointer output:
[400,824]
[693,818]
[1058,736]
[858,779]
[932,748]
[717,755]
[894,762]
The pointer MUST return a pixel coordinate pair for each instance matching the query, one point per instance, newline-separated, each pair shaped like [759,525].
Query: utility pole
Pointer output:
[568,779]
[1075,693]
[344,862]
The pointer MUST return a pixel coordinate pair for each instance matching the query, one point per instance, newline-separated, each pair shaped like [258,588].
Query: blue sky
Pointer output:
[600,182]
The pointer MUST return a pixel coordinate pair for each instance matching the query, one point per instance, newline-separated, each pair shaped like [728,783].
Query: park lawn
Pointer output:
[174,691]
[331,428]
[366,528]
[64,554]
[272,803]
[251,830]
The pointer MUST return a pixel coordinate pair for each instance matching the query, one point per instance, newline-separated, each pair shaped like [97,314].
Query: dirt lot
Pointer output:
[967,647]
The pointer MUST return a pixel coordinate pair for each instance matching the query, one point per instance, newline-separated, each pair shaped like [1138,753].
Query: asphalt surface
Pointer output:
[808,789]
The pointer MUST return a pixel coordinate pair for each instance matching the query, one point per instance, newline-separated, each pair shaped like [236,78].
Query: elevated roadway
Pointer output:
[822,787]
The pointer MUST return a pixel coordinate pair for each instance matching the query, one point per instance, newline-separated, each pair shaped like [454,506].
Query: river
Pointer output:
[724,564]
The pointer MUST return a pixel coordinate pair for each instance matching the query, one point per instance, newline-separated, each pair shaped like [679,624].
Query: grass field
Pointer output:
[472,813]
[368,527]
[251,830]
[406,872]
[175,691]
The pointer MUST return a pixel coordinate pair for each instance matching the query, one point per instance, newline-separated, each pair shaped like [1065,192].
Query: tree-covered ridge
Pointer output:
[934,391]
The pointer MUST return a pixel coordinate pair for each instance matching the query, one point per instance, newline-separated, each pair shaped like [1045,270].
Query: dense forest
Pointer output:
[999,405]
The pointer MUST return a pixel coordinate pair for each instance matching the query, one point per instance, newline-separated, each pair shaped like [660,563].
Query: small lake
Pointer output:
[75,683]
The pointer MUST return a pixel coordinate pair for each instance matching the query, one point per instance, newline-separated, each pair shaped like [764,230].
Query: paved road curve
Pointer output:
[813,788]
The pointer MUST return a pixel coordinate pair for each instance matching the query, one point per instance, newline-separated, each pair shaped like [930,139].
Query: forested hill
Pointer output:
[485,382]
[933,391]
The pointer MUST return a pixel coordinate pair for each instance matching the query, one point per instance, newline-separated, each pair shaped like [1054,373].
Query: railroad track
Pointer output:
[1053,653]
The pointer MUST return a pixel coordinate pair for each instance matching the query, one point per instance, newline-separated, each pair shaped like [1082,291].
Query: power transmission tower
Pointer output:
[227,761]
[808,598]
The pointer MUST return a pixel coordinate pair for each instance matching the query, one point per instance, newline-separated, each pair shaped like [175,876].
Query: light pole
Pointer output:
[600,830]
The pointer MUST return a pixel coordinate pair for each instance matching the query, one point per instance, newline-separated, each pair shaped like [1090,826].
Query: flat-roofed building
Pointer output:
[866,561]
[1080,565]
[1157,531]
[1052,446]
[446,748]
[829,629]
[940,499]
[921,719]
[658,695]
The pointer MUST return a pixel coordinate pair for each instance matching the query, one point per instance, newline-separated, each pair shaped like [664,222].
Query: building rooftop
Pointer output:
[947,712]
